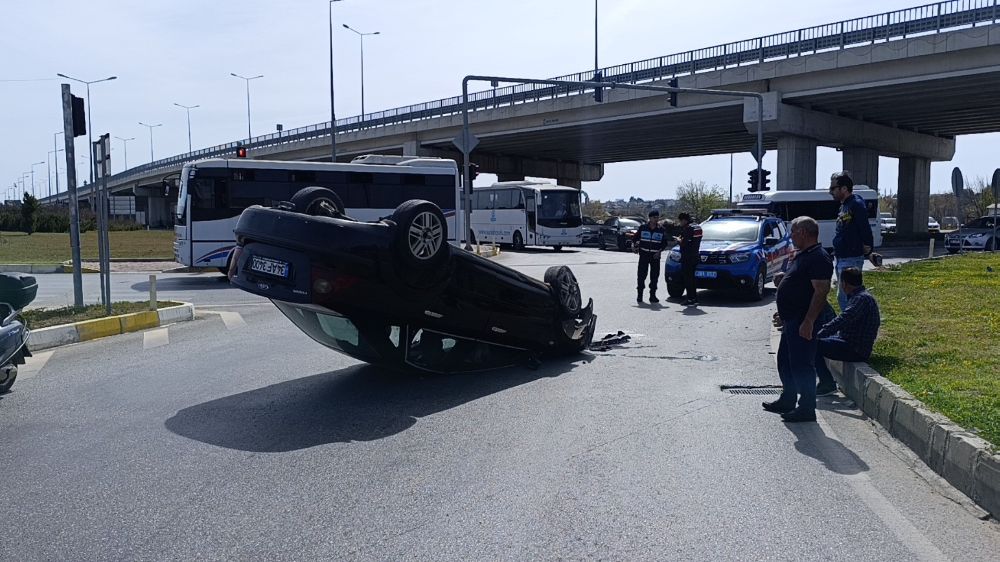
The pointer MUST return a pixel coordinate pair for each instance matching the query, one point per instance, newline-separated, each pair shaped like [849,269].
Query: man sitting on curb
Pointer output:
[850,336]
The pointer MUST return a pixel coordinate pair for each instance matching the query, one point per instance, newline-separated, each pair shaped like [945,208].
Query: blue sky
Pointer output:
[184,51]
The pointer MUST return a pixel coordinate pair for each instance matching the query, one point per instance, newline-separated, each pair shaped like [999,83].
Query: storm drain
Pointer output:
[754,390]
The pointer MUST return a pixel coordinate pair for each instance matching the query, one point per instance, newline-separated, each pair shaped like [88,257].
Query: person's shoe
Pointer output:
[691,302]
[826,389]
[652,297]
[777,407]
[638,297]
[796,416]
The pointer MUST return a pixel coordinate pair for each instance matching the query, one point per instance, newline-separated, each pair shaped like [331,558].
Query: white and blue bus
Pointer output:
[525,213]
[213,193]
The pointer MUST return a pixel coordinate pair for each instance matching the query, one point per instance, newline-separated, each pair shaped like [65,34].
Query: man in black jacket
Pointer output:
[690,242]
[651,239]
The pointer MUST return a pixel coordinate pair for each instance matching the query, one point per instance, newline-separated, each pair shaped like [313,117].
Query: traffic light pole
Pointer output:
[74,208]
[495,81]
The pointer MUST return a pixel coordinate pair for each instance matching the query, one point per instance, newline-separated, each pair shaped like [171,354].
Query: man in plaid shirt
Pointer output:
[850,336]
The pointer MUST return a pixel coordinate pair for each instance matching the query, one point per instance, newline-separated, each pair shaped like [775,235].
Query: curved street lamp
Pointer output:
[362,36]
[90,127]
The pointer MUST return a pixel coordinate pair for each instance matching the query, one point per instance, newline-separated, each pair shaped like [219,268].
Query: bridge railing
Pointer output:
[888,26]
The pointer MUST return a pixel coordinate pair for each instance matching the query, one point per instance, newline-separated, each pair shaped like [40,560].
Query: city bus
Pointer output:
[214,192]
[527,213]
[815,203]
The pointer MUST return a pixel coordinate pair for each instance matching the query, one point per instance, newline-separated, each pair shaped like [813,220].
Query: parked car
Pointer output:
[591,230]
[887,225]
[394,292]
[740,249]
[975,235]
[949,223]
[618,232]
[933,227]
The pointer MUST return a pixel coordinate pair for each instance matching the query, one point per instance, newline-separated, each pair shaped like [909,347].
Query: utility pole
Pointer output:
[125,148]
[249,132]
[189,108]
[333,113]
[74,209]
[151,127]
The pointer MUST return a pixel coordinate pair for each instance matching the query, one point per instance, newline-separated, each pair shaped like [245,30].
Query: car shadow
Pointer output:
[542,250]
[194,283]
[726,299]
[813,442]
[359,403]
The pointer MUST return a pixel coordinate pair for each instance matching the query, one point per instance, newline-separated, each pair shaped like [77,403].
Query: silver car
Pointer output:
[979,234]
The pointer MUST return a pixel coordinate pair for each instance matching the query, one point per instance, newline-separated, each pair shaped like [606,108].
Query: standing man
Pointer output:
[853,241]
[690,242]
[651,241]
[801,299]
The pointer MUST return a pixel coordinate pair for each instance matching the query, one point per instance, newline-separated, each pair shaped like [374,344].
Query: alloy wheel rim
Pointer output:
[426,235]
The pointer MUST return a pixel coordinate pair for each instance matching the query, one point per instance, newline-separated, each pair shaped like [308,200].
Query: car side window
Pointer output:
[610,221]
[781,229]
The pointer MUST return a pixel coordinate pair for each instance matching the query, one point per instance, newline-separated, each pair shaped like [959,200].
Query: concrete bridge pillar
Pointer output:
[570,183]
[913,197]
[158,212]
[796,163]
[413,148]
[862,164]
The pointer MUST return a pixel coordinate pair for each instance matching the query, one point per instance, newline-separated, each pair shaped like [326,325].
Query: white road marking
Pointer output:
[155,338]
[34,364]
[232,320]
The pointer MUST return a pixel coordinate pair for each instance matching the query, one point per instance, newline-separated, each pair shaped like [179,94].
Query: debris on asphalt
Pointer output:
[611,340]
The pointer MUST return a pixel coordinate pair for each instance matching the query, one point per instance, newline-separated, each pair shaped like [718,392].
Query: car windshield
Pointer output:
[559,205]
[730,230]
[628,223]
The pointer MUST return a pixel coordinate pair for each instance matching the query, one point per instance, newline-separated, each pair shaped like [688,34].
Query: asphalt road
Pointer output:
[236,437]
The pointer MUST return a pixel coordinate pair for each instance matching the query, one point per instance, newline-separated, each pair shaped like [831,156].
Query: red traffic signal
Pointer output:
[241,152]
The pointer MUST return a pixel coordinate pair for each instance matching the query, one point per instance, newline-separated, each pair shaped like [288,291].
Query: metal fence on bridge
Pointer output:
[889,26]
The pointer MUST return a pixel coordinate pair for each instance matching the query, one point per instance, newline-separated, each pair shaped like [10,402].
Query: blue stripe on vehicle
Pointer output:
[215,254]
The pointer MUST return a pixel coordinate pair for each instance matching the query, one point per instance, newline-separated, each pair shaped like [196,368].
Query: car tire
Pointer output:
[621,243]
[318,201]
[557,248]
[421,239]
[8,375]
[600,243]
[518,240]
[675,290]
[991,245]
[565,289]
[756,292]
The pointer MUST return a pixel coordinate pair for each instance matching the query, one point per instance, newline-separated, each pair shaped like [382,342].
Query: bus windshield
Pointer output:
[559,209]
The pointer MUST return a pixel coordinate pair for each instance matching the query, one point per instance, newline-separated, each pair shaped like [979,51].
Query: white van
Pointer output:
[817,204]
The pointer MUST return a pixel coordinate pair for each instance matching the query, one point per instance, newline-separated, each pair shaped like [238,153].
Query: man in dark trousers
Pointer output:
[853,240]
[690,242]
[651,239]
[850,336]
[801,300]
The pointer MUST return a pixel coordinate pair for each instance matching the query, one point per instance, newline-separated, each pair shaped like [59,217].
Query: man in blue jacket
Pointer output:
[853,240]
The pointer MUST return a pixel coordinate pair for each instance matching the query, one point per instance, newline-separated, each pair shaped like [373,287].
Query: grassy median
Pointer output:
[45,317]
[940,336]
[47,247]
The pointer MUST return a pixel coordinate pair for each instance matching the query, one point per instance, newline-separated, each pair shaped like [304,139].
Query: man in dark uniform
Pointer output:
[690,242]
[801,302]
[651,239]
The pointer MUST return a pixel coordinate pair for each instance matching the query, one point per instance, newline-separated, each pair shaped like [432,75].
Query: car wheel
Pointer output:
[557,248]
[7,376]
[518,240]
[757,290]
[675,290]
[991,245]
[621,243]
[600,244]
[318,201]
[565,289]
[472,238]
[421,235]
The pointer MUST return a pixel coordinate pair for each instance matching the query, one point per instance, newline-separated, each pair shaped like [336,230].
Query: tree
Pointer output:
[697,199]
[595,210]
[29,206]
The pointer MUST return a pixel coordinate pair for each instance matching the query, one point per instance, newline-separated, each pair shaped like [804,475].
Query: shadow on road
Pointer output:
[833,454]
[361,403]
[200,282]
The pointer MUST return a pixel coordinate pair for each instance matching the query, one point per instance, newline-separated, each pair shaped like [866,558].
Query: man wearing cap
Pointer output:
[651,240]
[690,243]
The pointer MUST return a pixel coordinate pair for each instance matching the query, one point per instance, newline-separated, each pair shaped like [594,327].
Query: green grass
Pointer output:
[940,336]
[46,247]
[45,317]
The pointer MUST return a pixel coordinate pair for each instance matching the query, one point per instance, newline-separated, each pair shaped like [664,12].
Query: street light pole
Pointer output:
[125,148]
[48,170]
[189,108]
[151,127]
[362,36]
[55,146]
[90,126]
[333,114]
[33,176]
[249,133]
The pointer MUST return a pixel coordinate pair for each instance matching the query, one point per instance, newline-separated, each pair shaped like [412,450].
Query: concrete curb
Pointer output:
[55,336]
[31,268]
[966,461]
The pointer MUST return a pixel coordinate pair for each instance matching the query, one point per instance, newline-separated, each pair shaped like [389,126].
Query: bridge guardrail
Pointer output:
[888,26]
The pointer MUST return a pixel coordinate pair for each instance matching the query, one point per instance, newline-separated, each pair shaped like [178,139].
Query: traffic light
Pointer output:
[79,117]
[241,152]
[473,174]
[754,180]
[764,180]
[598,90]
[673,95]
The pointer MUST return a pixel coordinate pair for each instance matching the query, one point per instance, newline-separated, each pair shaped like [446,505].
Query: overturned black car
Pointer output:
[396,293]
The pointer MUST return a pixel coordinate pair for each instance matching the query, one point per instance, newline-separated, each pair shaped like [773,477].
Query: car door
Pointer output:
[777,254]
[609,232]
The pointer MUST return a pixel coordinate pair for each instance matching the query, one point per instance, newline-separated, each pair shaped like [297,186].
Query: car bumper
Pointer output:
[713,278]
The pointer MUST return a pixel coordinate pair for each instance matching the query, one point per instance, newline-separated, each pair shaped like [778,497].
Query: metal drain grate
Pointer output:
[755,391]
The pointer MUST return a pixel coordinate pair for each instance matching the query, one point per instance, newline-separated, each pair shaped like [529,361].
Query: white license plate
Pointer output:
[269,266]
[706,274]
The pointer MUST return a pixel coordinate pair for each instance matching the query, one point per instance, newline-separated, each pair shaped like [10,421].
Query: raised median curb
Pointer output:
[965,460]
[55,336]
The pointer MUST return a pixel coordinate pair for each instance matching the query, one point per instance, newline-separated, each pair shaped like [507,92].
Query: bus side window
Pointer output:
[209,199]
[518,199]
